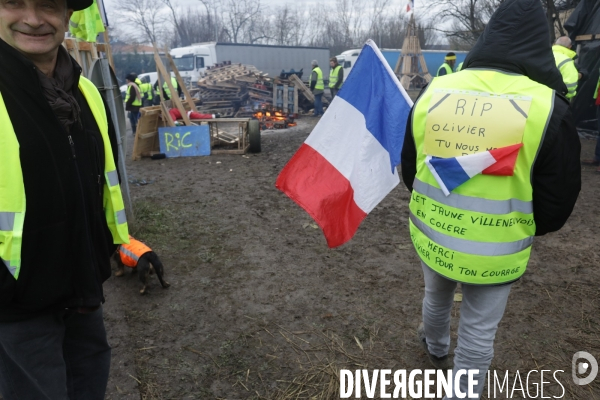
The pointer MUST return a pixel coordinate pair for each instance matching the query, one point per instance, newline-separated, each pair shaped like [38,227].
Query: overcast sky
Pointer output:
[303,5]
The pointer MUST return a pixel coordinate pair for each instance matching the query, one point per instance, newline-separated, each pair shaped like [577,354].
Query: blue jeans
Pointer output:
[481,310]
[55,355]
[318,104]
[133,119]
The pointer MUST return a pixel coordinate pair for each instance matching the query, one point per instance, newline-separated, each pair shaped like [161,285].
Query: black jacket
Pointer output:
[66,242]
[517,40]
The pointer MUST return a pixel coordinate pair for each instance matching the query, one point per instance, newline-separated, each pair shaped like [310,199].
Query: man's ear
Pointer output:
[69,14]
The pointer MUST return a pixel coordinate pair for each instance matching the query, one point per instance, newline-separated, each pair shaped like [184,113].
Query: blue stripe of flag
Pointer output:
[371,90]
[450,172]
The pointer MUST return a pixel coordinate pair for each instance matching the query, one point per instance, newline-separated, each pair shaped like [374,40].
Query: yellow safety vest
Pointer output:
[446,67]
[565,64]
[166,87]
[320,85]
[146,91]
[12,196]
[136,102]
[482,232]
[334,75]
[459,67]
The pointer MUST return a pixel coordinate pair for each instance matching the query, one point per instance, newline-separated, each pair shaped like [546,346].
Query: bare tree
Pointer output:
[467,18]
[194,25]
[145,16]
[239,16]
[288,26]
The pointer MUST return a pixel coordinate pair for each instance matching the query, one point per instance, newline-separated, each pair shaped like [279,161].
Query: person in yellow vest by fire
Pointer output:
[61,210]
[336,76]
[480,195]
[317,86]
[448,66]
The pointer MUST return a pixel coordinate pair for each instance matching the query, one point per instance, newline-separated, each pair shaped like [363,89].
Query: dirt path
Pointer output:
[260,308]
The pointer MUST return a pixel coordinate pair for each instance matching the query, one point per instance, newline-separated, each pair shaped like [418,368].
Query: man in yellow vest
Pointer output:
[317,86]
[448,66]
[564,58]
[147,92]
[61,210]
[336,76]
[480,195]
[133,101]
[165,88]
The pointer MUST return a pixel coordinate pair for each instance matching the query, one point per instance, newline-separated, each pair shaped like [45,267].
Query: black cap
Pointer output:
[78,5]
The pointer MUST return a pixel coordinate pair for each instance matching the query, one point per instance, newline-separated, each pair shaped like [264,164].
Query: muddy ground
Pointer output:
[260,308]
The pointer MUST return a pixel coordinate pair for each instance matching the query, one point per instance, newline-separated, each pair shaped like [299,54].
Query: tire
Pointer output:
[254,136]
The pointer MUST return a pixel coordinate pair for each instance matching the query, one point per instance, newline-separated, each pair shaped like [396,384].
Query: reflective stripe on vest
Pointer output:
[566,66]
[334,75]
[131,253]
[482,232]
[12,197]
[320,85]
[446,67]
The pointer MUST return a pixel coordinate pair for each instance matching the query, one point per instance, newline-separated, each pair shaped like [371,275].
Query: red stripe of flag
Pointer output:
[323,192]
[506,158]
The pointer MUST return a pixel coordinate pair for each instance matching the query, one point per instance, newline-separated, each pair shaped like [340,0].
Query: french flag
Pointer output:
[450,173]
[348,163]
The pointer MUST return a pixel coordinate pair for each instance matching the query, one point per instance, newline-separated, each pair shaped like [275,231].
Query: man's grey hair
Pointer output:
[314,63]
[563,41]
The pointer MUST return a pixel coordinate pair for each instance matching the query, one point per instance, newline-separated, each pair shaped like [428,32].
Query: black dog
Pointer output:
[138,256]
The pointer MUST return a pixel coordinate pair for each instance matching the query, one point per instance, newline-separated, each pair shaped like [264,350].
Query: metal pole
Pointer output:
[108,87]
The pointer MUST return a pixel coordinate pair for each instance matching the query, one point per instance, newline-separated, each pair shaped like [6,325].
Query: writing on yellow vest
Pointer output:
[481,233]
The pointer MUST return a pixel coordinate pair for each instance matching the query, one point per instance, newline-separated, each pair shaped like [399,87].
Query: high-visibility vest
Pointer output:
[334,75]
[130,253]
[596,90]
[166,87]
[481,233]
[12,195]
[566,65]
[446,67]
[136,102]
[320,85]
[459,67]
[146,91]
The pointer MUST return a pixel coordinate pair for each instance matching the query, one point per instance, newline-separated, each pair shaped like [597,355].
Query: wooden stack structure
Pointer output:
[411,67]
[85,53]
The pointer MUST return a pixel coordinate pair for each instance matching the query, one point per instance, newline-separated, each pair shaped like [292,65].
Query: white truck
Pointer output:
[192,61]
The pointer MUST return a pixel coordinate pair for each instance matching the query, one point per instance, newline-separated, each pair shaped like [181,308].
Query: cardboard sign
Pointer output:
[461,122]
[185,141]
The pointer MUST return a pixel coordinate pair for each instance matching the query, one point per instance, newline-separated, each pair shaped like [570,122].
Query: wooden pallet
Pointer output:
[411,66]
[86,53]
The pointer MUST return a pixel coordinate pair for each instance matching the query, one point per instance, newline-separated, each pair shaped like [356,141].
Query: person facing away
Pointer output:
[147,92]
[133,100]
[484,234]
[336,76]
[565,62]
[447,67]
[317,87]
[165,88]
[61,210]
